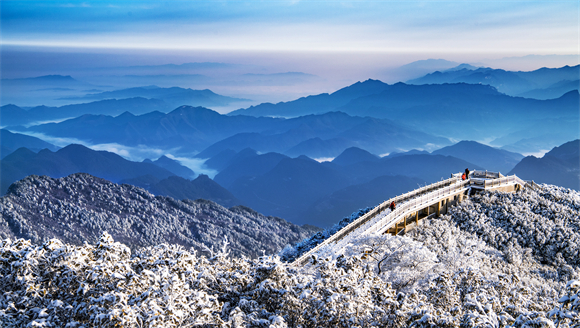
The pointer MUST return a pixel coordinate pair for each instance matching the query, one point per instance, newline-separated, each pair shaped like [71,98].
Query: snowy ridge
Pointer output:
[78,208]
[439,275]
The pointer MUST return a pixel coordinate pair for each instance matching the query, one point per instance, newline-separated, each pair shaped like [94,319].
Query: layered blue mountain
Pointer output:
[172,166]
[552,91]
[73,159]
[12,141]
[316,104]
[194,129]
[539,135]
[247,164]
[174,96]
[41,90]
[560,166]
[463,111]
[492,159]
[60,81]
[408,152]
[354,155]
[529,84]
[290,187]
[14,115]
[454,110]
[221,160]
[327,135]
[330,208]
[419,68]
[177,187]
[191,128]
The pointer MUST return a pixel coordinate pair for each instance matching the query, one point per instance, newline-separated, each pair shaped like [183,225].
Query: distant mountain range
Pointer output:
[172,166]
[14,115]
[544,83]
[457,110]
[540,135]
[137,101]
[380,118]
[54,80]
[173,97]
[179,188]
[492,159]
[419,68]
[295,187]
[303,190]
[80,207]
[73,159]
[316,104]
[12,141]
[299,189]
[193,129]
[163,176]
[33,91]
[560,166]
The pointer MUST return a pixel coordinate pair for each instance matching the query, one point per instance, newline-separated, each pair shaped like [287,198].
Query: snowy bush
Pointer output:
[544,223]
[451,271]
[105,285]
[569,310]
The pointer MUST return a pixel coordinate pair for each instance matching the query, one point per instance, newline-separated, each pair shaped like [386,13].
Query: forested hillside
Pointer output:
[80,207]
[497,260]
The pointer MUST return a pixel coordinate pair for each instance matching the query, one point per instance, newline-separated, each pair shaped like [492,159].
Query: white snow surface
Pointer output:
[491,262]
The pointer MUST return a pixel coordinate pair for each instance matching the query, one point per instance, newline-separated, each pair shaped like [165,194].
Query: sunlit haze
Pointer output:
[338,41]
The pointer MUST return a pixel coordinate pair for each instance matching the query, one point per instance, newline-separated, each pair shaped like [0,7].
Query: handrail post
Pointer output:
[417,218]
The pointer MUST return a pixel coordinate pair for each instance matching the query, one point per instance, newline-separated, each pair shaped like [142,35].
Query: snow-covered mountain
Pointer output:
[496,260]
[78,208]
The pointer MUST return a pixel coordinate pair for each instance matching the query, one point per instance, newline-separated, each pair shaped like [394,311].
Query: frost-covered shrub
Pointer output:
[399,260]
[106,285]
[290,253]
[545,223]
[569,310]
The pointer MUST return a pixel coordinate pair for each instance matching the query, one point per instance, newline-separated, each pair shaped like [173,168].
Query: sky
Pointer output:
[460,29]
[339,42]
[239,48]
[470,27]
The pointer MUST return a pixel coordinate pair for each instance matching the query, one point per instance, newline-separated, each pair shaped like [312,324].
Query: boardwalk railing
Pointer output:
[495,183]
[417,204]
[411,202]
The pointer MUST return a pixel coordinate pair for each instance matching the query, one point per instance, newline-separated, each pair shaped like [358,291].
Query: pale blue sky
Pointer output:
[483,27]
[340,42]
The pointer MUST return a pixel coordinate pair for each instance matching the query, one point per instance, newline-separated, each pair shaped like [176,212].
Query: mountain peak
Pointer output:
[354,155]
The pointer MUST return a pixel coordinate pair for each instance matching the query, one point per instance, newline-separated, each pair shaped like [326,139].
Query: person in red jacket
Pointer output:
[392,206]
[463,176]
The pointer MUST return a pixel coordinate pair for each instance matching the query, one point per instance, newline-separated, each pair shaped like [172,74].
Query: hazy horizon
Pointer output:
[332,44]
